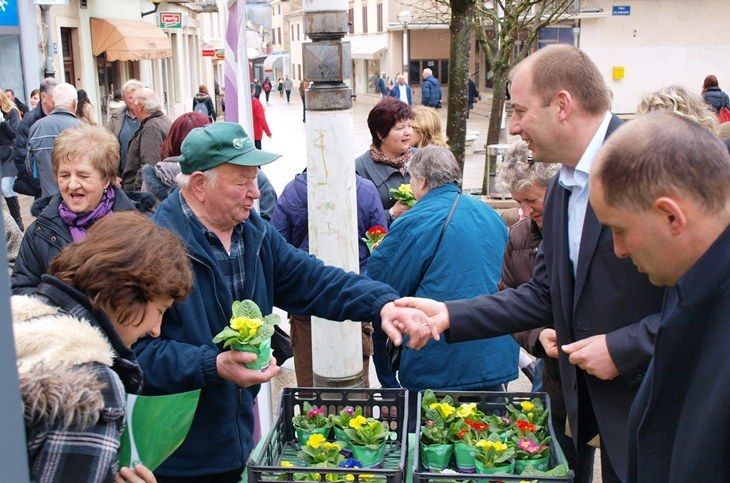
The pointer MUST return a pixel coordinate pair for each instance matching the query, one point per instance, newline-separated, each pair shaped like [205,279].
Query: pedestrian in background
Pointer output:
[402,91]
[124,123]
[144,148]
[291,219]
[267,88]
[260,126]
[34,98]
[287,88]
[73,339]
[713,95]
[472,96]
[25,183]
[256,88]
[84,109]
[44,132]
[203,103]
[85,160]
[22,108]
[662,184]
[381,86]
[9,124]
[426,127]
[425,254]
[114,105]
[430,90]
[280,87]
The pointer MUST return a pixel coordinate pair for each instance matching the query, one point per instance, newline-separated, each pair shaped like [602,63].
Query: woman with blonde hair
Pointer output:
[9,122]
[426,128]
[679,100]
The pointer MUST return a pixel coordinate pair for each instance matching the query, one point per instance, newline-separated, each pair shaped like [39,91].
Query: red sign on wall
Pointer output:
[171,20]
[208,52]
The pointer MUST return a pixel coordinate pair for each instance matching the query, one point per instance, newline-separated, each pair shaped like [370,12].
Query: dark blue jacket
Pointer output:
[381,87]
[291,217]
[431,92]
[679,419]
[607,296]
[468,263]
[183,358]
[716,98]
[395,92]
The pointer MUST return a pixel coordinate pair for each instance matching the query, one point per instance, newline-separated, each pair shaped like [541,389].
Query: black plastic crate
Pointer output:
[489,403]
[388,405]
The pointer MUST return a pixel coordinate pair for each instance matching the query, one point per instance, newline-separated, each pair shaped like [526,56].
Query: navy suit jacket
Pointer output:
[607,296]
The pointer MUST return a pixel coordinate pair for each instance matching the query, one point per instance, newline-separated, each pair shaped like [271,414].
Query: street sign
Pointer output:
[220,54]
[171,20]
[208,52]
[622,10]
[9,13]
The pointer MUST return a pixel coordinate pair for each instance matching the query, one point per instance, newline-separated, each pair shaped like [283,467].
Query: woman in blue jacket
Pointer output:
[464,261]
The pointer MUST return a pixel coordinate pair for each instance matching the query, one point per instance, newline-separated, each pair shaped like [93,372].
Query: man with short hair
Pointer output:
[122,123]
[235,255]
[144,148]
[44,133]
[381,86]
[25,183]
[402,90]
[662,184]
[605,313]
[18,103]
[430,90]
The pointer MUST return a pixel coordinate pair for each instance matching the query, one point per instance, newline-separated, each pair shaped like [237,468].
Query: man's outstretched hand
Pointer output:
[437,320]
[396,321]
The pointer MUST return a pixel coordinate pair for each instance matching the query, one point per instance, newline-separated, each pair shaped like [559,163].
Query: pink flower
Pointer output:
[530,446]
[314,412]
[349,410]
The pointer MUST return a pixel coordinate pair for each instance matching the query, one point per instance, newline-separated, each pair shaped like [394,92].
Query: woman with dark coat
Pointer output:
[73,336]
[85,160]
[9,122]
[712,94]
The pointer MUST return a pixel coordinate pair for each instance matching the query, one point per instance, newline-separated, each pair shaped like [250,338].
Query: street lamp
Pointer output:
[404,18]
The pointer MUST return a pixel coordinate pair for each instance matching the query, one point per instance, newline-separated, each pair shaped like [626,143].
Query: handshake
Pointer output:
[420,319]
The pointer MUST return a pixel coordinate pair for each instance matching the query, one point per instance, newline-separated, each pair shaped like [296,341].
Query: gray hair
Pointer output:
[132,85]
[47,85]
[65,95]
[436,165]
[183,180]
[147,100]
[428,71]
[516,172]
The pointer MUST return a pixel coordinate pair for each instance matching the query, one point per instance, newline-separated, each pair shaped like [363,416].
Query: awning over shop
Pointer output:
[275,61]
[128,40]
[367,46]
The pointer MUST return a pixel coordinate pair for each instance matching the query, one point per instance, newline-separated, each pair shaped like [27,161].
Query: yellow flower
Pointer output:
[499,446]
[527,405]
[246,325]
[357,422]
[287,464]
[466,410]
[445,409]
[405,189]
[329,446]
[483,443]
[364,476]
[315,440]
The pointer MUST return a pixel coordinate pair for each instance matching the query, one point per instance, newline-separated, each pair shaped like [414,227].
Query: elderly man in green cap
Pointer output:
[236,255]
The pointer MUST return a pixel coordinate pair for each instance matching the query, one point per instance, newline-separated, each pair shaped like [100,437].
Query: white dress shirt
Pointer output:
[402,93]
[575,180]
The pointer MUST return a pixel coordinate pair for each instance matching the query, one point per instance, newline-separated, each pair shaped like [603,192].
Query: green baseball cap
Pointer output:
[206,147]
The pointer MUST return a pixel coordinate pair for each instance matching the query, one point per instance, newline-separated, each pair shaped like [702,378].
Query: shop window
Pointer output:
[380,17]
[365,19]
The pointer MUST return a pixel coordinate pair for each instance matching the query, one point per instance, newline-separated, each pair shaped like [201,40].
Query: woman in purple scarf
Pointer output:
[85,162]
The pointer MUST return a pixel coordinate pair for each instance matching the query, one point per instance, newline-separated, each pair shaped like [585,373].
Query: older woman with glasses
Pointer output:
[84,161]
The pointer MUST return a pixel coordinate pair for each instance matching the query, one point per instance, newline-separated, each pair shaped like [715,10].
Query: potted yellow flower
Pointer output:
[311,421]
[367,440]
[435,445]
[404,194]
[249,331]
[468,428]
[493,456]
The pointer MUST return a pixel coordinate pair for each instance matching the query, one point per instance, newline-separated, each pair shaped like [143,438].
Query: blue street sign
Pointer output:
[622,9]
[9,13]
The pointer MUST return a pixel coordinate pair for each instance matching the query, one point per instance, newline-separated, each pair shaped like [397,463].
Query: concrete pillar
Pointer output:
[336,347]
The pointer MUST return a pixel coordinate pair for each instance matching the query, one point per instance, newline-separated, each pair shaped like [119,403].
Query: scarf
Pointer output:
[78,223]
[397,163]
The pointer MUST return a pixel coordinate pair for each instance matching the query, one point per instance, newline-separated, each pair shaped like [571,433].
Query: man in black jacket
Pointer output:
[604,312]
[25,183]
[663,186]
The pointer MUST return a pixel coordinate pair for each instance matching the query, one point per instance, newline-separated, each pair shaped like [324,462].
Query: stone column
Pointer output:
[336,347]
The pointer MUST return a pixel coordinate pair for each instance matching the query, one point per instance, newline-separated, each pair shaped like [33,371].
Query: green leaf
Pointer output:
[224,334]
[272,319]
[247,308]
[265,332]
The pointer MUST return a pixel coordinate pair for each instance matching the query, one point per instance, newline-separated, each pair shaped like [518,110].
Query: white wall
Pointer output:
[662,42]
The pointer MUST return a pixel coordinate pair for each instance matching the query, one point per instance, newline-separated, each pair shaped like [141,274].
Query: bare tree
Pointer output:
[507,30]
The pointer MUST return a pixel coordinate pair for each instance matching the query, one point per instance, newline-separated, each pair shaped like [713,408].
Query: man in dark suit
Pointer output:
[603,310]
[663,186]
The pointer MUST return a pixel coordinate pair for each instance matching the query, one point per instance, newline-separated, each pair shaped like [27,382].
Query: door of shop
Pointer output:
[67,51]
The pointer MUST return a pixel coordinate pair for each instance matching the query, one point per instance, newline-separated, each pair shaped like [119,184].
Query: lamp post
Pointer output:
[404,18]
[576,34]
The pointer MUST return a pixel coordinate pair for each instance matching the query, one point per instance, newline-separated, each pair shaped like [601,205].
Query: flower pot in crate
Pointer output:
[436,456]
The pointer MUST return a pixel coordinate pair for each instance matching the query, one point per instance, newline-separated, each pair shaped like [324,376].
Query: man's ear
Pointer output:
[672,214]
[564,101]
[197,185]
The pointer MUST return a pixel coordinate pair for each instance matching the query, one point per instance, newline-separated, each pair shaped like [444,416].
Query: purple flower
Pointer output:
[349,410]
[315,411]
